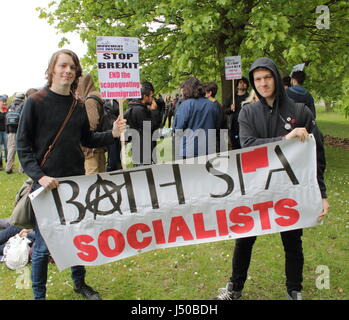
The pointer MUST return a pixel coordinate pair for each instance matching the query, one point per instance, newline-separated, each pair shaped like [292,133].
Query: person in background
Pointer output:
[95,160]
[11,231]
[299,94]
[3,134]
[251,98]
[170,106]
[194,118]
[286,82]
[233,109]
[12,120]
[211,90]
[142,116]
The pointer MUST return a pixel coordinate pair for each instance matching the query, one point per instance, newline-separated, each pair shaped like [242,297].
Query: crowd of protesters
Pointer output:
[250,118]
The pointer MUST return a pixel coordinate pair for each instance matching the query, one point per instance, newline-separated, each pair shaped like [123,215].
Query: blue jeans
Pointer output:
[9,232]
[40,265]
[6,234]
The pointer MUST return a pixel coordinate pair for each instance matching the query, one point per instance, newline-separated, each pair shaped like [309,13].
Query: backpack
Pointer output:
[108,112]
[14,113]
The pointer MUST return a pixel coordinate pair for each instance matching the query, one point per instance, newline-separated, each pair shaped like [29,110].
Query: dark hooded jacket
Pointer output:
[299,94]
[140,118]
[259,123]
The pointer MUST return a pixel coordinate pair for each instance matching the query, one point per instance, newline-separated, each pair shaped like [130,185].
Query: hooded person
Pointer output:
[273,118]
[299,94]
[95,161]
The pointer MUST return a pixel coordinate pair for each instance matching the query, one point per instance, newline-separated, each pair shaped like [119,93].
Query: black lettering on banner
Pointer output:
[286,167]
[92,202]
[92,199]
[80,207]
[228,179]
[129,189]
[241,178]
[59,206]
[152,189]
[177,182]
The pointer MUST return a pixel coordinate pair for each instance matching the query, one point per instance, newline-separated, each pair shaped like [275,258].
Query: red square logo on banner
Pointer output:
[255,159]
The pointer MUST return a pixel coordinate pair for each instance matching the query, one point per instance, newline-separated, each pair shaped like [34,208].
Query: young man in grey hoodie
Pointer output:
[265,121]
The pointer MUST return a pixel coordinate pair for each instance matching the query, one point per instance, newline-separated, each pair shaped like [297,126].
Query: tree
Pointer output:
[180,38]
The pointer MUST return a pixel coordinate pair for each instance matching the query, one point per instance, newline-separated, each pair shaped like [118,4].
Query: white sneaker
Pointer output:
[228,293]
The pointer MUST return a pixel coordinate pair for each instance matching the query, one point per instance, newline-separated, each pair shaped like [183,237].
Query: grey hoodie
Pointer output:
[260,123]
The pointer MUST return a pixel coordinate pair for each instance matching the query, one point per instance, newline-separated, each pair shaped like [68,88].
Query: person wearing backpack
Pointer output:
[111,110]
[12,120]
[94,157]
[101,114]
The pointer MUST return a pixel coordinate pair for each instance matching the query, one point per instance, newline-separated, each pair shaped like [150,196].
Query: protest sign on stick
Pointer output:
[233,70]
[96,219]
[118,73]
[297,67]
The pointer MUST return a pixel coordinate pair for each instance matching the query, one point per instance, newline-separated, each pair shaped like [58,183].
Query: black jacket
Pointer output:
[138,115]
[2,121]
[42,116]
[299,94]
[233,116]
[261,124]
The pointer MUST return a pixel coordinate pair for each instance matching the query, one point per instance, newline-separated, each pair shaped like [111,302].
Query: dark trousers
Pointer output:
[5,235]
[235,142]
[294,260]
[114,161]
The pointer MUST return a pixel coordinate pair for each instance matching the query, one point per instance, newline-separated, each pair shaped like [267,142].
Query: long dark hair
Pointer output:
[52,63]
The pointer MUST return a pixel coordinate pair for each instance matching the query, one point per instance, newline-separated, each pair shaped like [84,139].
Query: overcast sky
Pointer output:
[27,44]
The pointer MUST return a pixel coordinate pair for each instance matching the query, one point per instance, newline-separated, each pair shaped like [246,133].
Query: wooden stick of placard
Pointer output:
[122,137]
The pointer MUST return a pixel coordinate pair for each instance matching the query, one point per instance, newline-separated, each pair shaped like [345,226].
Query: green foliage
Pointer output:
[180,38]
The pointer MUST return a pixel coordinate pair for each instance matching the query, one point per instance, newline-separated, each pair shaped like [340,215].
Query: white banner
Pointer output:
[233,68]
[118,67]
[96,219]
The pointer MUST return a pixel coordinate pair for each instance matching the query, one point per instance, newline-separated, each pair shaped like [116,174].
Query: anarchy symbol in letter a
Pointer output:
[101,190]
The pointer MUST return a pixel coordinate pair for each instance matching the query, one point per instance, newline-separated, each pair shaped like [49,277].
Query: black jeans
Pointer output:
[114,161]
[293,255]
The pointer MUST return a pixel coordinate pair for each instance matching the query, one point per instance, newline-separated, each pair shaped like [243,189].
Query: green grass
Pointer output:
[332,123]
[197,271]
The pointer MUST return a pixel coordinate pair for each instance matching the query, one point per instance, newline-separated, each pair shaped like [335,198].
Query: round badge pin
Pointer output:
[287,126]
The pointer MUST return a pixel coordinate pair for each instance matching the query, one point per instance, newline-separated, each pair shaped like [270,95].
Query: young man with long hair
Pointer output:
[42,116]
